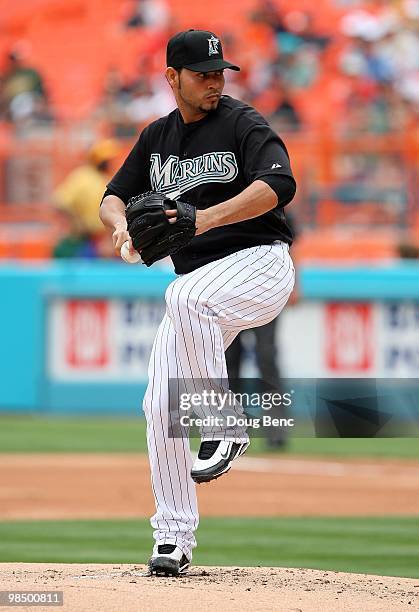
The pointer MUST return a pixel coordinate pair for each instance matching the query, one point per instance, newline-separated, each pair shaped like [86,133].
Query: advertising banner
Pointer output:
[111,340]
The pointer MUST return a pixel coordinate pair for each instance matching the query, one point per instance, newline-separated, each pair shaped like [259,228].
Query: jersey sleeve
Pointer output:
[133,177]
[263,155]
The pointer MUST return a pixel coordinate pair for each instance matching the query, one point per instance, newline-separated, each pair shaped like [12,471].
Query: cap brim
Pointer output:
[210,65]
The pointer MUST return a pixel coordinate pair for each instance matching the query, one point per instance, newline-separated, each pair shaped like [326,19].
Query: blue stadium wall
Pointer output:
[26,291]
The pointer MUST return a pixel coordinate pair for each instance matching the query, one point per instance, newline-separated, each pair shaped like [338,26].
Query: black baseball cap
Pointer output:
[197,50]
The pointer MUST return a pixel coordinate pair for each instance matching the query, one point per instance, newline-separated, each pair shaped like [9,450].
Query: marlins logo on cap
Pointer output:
[197,50]
[213,45]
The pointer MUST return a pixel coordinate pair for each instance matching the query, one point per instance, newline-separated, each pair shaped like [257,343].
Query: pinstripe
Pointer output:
[278,282]
[213,340]
[274,311]
[253,288]
[152,426]
[205,310]
[191,327]
[236,274]
[188,480]
[220,263]
[252,275]
[228,337]
[199,315]
[267,285]
[176,471]
[162,340]
[212,336]
[161,422]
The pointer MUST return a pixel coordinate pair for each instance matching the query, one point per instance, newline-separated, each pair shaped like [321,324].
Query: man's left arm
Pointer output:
[257,199]
[266,169]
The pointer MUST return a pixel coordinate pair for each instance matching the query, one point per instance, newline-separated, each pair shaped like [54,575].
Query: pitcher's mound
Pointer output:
[112,588]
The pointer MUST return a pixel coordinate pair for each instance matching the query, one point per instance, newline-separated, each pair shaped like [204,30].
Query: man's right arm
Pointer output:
[112,215]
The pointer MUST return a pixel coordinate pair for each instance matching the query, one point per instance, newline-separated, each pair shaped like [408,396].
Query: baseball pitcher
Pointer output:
[206,185]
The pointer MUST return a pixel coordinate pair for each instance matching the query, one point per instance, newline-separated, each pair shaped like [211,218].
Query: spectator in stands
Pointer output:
[382,61]
[298,45]
[374,107]
[22,91]
[151,14]
[276,103]
[129,105]
[299,70]
[117,95]
[285,117]
[150,99]
[77,199]
[407,250]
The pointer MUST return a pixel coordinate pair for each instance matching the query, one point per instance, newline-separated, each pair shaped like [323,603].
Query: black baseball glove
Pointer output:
[149,227]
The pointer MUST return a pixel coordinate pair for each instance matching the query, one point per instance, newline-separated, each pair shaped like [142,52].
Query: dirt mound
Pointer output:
[111,588]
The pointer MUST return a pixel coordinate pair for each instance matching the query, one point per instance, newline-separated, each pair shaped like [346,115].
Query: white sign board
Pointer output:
[107,340]
[111,340]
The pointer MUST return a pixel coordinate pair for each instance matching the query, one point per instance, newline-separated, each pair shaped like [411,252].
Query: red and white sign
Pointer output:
[111,340]
[87,327]
[336,339]
[101,340]
[349,340]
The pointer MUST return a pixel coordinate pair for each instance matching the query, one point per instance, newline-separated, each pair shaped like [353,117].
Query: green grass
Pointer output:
[377,545]
[47,434]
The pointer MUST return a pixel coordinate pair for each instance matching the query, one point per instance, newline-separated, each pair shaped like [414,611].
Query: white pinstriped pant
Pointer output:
[205,310]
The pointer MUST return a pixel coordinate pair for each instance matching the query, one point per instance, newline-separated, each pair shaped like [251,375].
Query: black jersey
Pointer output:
[207,162]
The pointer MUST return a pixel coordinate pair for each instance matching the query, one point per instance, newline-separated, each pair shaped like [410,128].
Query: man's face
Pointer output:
[201,91]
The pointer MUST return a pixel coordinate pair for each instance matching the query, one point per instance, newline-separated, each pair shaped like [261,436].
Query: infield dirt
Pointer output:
[76,486]
[116,486]
[112,588]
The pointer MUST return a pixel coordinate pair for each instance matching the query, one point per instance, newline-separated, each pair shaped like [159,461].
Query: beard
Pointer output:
[210,107]
[203,106]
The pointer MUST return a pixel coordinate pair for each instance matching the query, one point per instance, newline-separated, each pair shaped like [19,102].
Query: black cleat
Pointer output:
[168,560]
[215,458]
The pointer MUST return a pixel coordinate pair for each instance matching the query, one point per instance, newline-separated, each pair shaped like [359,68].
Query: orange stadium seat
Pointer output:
[332,245]
[36,234]
[219,14]
[32,246]
[75,43]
